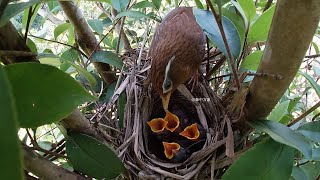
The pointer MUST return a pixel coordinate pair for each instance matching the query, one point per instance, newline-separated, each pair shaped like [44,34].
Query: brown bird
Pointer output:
[176,52]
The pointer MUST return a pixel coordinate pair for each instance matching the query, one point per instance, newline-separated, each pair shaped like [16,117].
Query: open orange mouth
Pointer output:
[191,132]
[170,149]
[157,125]
[173,121]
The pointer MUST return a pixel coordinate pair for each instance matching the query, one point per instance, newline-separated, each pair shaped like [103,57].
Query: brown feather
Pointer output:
[178,35]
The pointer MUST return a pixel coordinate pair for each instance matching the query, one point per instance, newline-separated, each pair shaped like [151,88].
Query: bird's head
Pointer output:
[167,85]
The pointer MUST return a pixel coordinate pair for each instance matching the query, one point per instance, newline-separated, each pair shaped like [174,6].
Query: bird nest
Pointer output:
[142,154]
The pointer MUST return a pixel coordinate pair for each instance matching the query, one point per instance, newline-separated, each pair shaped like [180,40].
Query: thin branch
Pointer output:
[230,58]
[30,13]
[303,115]
[313,56]
[268,4]
[9,53]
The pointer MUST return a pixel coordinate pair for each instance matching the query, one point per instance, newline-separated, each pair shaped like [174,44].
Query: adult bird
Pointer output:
[176,52]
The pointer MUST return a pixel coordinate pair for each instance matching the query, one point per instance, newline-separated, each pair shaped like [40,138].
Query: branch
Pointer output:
[303,115]
[86,39]
[45,169]
[285,49]
[119,29]
[230,58]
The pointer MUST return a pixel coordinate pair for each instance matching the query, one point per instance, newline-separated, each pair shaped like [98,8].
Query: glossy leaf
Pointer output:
[252,61]
[312,169]
[258,32]
[241,11]
[299,174]
[142,5]
[248,8]
[61,29]
[90,156]
[279,111]
[311,130]
[14,9]
[85,73]
[208,23]
[119,5]
[10,166]
[107,57]
[265,161]
[313,83]
[96,25]
[132,14]
[156,3]
[44,93]
[284,135]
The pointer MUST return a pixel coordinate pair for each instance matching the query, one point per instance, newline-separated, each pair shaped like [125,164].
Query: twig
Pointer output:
[313,56]
[230,58]
[47,151]
[268,4]
[230,139]
[82,53]
[30,13]
[303,115]
[10,53]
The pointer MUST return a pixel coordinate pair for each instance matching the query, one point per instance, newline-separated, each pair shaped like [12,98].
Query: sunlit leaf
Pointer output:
[107,57]
[258,32]
[10,166]
[279,111]
[284,135]
[45,94]
[252,61]
[96,25]
[61,29]
[90,156]
[208,23]
[248,8]
[265,161]
[119,5]
[313,83]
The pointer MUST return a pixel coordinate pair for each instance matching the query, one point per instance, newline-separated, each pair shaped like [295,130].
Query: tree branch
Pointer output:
[293,27]
[86,39]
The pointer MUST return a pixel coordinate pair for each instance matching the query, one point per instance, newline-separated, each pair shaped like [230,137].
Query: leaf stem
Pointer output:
[303,115]
[230,58]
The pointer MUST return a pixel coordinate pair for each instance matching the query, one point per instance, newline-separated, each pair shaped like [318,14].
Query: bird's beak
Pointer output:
[173,121]
[165,100]
[170,149]
[191,132]
[157,125]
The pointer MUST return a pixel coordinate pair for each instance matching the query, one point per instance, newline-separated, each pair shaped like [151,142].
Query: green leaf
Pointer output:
[61,29]
[241,11]
[50,59]
[156,3]
[10,167]
[311,130]
[279,111]
[71,37]
[284,135]
[316,47]
[313,83]
[108,58]
[96,25]
[14,9]
[106,96]
[119,5]
[299,174]
[252,61]
[32,46]
[26,14]
[259,29]
[92,157]
[208,23]
[44,93]
[132,14]
[312,169]
[266,160]
[316,154]
[85,73]
[199,4]
[142,5]
[248,8]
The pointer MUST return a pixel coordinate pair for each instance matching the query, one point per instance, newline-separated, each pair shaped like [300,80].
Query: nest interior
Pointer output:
[140,150]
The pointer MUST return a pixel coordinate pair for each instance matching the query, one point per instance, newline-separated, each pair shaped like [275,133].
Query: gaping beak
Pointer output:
[191,132]
[173,121]
[170,149]
[157,125]
[165,100]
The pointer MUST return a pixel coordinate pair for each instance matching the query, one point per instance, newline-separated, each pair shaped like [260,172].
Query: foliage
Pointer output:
[34,98]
